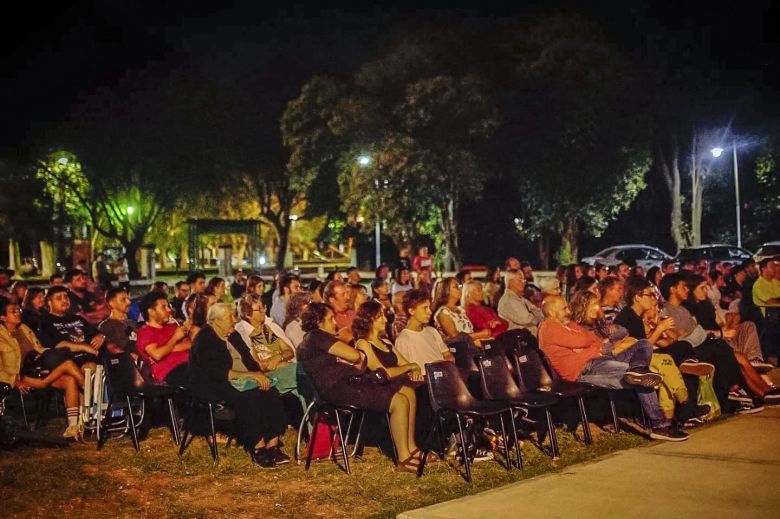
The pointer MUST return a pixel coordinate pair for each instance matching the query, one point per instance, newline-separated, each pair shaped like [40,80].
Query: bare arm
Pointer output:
[176,343]
[374,364]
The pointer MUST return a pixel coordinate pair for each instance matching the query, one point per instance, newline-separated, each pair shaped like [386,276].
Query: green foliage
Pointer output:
[65,183]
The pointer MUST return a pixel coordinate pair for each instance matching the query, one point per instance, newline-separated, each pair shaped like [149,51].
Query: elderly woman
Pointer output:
[219,371]
[270,353]
[19,347]
[483,317]
[336,368]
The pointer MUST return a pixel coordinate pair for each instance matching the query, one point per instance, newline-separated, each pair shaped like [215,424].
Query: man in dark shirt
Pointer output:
[81,300]
[120,331]
[238,286]
[181,291]
[61,329]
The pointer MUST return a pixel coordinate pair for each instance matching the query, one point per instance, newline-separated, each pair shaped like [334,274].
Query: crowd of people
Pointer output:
[691,341]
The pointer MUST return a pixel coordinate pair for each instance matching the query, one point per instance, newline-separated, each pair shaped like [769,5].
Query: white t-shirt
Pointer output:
[421,347]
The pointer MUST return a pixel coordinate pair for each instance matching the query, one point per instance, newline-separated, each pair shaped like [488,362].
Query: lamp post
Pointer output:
[717,152]
[365,161]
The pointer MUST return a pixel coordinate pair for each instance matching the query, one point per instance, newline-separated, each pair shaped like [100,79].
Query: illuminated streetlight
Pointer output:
[130,209]
[363,161]
[716,152]
[62,160]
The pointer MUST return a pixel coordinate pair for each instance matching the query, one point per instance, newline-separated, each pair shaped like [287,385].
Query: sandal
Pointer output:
[410,464]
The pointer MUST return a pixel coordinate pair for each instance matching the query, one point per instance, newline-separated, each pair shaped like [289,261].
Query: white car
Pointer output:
[767,250]
[643,255]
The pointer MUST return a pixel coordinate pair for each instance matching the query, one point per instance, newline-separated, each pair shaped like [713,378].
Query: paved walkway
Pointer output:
[729,469]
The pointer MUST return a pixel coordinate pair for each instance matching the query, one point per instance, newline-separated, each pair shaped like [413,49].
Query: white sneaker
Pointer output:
[73,432]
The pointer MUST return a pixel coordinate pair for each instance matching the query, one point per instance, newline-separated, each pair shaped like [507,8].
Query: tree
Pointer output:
[577,145]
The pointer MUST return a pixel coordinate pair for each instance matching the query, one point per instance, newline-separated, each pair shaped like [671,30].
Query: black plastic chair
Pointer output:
[450,396]
[533,374]
[125,383]
[218,412]
[497,384]
[320,410]
[464,351]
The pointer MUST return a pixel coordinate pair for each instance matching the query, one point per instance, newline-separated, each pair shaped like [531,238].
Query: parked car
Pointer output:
[767,250]
[643,255]
[713,252]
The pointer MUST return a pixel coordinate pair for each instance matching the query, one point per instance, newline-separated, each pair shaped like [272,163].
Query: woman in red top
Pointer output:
[481,316]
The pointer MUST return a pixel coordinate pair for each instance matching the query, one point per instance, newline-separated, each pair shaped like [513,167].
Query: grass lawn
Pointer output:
[80,482]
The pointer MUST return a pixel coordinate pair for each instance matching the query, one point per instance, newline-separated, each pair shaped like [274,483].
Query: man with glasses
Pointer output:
[181,291]
[513,306]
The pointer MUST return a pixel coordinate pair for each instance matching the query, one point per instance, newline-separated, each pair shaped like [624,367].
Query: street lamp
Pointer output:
[365,161]
[716,152]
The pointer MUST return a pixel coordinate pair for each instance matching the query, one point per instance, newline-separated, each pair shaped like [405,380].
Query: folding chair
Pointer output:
[125,383]
[497,384]
[532,373]
[450,396]
[217,412]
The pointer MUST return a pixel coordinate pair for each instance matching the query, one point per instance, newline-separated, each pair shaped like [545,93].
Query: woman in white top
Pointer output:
[450,318]
[402,281]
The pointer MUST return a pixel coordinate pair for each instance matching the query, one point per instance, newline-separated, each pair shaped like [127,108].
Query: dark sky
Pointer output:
[55,56]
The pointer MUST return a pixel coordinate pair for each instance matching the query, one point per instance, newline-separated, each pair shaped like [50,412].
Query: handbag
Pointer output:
[248,383]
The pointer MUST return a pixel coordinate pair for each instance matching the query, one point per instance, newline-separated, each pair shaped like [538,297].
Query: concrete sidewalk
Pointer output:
[729,469]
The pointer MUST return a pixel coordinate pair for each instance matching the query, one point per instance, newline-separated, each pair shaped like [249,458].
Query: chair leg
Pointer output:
[132,424]
[464,447]
[357,450]
[24,411]
[303,425]
[312,438]
[518,454]
[174,422]
[213,437]
[506,441]
[102,432]
[343,441]
[584,419]
[615,422]
[185,428]
[551,433]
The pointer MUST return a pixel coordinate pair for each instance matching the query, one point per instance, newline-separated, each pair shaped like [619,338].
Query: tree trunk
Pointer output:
[283,230]
[131,249]
[671,172]
[451,233]
[543,244]
[568,251]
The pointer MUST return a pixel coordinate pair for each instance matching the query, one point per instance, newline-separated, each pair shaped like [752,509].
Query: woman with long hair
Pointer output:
[336,369]
[32,306]
[449,317]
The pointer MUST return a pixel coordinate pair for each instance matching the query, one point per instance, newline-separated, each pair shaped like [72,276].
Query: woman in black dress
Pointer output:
[335,369]
[217,368]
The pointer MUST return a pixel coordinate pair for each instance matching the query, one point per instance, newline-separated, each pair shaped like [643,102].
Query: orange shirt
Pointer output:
[569,347]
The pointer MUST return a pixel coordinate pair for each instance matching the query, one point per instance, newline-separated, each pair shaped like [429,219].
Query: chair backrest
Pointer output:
[496,379]
[446,388]
[462,349]
[532,373]
[122,375]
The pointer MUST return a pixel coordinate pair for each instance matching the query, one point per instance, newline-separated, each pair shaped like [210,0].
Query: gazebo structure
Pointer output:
[196,228]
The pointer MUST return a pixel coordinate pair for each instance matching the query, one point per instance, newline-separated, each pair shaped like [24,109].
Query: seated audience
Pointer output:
[449,317]
[419,342]
[402,281]
[292,322]
[765,294]
[181,291]
[580,355]
[20,350]
[120,331]
[336,370]
[513,306]
[289,285]
[162,343]
[238,286]
[335,295]
[611,292]
[483,317]
[32,307]
[492,291]
[61,329]
[218,371]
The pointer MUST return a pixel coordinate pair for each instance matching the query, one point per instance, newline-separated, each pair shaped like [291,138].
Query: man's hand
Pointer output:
[729,334]
[178,334]
[97,341]
[666,324]
[23,388]
[89,349]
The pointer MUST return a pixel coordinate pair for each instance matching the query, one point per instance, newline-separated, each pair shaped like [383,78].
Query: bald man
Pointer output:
[579,355]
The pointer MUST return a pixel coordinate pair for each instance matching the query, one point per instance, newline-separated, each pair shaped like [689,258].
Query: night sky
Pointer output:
[55,56]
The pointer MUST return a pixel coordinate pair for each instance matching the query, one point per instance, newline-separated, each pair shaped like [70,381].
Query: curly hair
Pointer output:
[295,306]
[364,319]
[412,298]
[579,305]
[314,315]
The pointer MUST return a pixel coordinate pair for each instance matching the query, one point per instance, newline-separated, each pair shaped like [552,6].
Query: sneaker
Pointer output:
[772,398]
[278,456]
[761,367]
[696,368]
[73,432]
[636,377]
[741,396]
[482,455]
[668,434]
[751,407]
[263,457]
